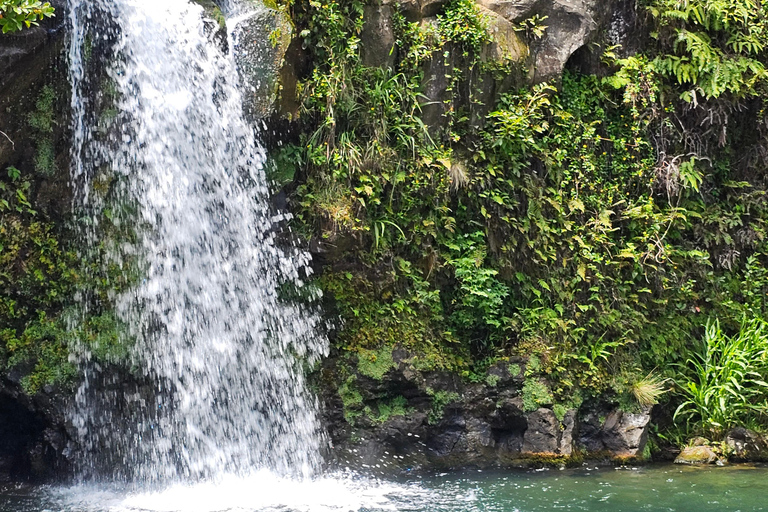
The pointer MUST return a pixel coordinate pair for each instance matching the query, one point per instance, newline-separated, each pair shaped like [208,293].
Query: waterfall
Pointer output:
[162,151]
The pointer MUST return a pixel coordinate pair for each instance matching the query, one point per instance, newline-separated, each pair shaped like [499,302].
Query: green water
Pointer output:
[653,488]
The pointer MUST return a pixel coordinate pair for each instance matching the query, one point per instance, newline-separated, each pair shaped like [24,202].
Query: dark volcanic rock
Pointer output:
[616,432]
[543,432]
[747,445]
[444,422]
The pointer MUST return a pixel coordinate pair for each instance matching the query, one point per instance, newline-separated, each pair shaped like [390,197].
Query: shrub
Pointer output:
[648,390]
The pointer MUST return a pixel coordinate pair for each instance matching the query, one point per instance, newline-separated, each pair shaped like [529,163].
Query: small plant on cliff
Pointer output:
[440,399]
[375,364]
[726,384]
[16,15]
[648,389]
[535,395]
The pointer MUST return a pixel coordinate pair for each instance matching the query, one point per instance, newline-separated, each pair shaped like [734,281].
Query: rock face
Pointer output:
[747,445]
[617,432]
[379,36]
[444,422]
[261,39]
[568,27]
[27,59]
[570,24]
[34,441]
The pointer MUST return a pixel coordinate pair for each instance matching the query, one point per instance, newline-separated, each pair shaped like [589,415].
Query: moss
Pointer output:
[398,406]
[375,364]
[351,400]
[440,399]
[514,369]
[550,460]
[42,121]
[492,380]
[535,394]
[574,402]
[45,157]
[42,118]
[647,451]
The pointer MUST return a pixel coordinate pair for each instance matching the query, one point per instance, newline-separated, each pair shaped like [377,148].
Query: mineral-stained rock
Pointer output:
[625,434]
[696,455]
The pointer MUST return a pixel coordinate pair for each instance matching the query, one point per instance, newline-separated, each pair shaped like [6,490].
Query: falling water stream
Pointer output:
[162,125]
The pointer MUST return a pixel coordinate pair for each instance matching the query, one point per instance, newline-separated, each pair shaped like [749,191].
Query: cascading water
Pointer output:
[161,128]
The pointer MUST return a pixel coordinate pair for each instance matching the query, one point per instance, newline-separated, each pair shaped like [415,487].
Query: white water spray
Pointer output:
[161,150]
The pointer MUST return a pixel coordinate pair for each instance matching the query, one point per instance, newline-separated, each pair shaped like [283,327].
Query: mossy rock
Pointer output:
[696,455]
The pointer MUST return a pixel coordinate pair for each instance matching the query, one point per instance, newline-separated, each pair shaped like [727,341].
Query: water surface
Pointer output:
[654,488]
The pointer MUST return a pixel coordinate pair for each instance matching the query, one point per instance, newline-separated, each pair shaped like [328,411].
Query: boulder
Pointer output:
[696,455]
[625,434]
[570,431]
[506,45]
[620,433]
[570,24]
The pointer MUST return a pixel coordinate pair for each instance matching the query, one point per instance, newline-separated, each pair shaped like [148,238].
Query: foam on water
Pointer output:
[261,491]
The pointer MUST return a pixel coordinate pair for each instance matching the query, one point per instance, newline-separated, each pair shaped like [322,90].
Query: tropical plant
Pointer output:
[18,14]
[725,384]
[648,389]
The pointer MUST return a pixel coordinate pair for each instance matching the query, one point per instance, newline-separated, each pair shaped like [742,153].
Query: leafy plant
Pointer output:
[725,384]
[440,399]
[18,14]
[535,394]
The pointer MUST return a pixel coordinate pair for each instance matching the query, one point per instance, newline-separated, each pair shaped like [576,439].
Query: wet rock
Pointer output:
[214,21]
[622,434]
[570,23]
[625,434]
[570,432]
[542,435]
[261,39]
[377,38]
[747,445]
[27,59]
[696,455]
[450,423]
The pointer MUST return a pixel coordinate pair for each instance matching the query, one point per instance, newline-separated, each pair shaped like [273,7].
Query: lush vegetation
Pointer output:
[54,300]
[16,15]
[600,223]
[609,230]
